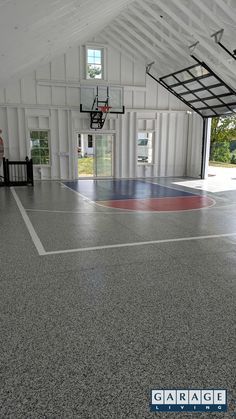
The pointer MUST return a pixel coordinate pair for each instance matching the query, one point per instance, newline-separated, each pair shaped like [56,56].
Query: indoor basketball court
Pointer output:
[118,254]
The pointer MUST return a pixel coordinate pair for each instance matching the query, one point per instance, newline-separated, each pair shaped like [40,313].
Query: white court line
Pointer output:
[80,194]
[95,203]
[115,246]
[31,230]
[42,252]
[117,211]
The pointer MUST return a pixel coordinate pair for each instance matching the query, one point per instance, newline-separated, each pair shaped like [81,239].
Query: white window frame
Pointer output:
[103,62]
[144,163]
[49,146]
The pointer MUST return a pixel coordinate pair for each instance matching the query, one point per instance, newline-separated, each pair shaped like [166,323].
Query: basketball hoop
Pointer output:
[104,108]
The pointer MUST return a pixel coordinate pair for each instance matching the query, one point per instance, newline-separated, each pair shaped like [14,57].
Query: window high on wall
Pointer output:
[94,63]
[39,145]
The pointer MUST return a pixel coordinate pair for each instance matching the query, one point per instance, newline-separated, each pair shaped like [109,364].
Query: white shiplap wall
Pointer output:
[49,98]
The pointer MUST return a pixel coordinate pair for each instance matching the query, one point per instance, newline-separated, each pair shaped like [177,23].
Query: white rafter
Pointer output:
[163,45]
[146,8]
[227,10]
[206,44]
[143,30]
[150,47]
[142,50]
[128,49]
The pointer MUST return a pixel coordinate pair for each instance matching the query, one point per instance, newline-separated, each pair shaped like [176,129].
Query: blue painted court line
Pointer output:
[104,190]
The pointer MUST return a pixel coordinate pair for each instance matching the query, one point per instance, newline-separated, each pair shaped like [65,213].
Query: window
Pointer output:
[94,62]
[145,147]
[39,147]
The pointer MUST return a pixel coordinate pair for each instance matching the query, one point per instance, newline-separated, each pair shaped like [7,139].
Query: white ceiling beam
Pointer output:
[182,37]
[202,7]
[145,8]
[227,10]
[152,51]
[197,37]
[129,51]
[121,47]
[128,48]
[120,36]
[193,18]
[150,25]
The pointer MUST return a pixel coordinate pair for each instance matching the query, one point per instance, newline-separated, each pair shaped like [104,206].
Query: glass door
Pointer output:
[95,155]
[103,155]
[85,150]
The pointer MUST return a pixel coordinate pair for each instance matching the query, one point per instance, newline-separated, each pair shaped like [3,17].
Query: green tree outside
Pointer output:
[93,72]
[223,136]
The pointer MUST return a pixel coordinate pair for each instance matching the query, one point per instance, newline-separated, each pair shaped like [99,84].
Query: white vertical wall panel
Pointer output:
[13,93]
[114,67]
[139,75]
[23,149]
[13,133]
[163,138]
[181,144]
[28,89]
[171,145]
[58,68]
[49,98]
[58,95]
[163,98]
[63,143]
[72,96]
[126,71]
[4,127]
[128,98]
[139,99]
[125,146]
[44,72]
[44,95]
[194,151]
[132,118]
[54,140]
[2,95]
[72,64]
[151,93]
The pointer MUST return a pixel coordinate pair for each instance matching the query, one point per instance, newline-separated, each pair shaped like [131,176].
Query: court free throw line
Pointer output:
[31,230]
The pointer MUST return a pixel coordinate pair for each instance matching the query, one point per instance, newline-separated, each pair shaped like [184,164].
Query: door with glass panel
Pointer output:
[95,155]
[103,155]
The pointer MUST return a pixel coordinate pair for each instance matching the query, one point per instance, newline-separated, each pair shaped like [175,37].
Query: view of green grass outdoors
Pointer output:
[223,142]
[85,166]
[95,155]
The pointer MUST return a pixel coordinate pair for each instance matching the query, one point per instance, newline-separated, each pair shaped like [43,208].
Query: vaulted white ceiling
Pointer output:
[34,31]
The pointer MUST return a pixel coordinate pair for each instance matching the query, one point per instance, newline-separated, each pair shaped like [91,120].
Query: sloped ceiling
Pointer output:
[34,31]
[163,30]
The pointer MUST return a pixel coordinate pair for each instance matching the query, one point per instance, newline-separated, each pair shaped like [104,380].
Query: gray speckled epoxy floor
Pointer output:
[88,335]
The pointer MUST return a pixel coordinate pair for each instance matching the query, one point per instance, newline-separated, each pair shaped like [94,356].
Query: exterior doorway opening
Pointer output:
[95,155]
[222,155]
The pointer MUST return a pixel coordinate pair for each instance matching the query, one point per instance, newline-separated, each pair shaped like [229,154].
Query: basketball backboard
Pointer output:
[90,96]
